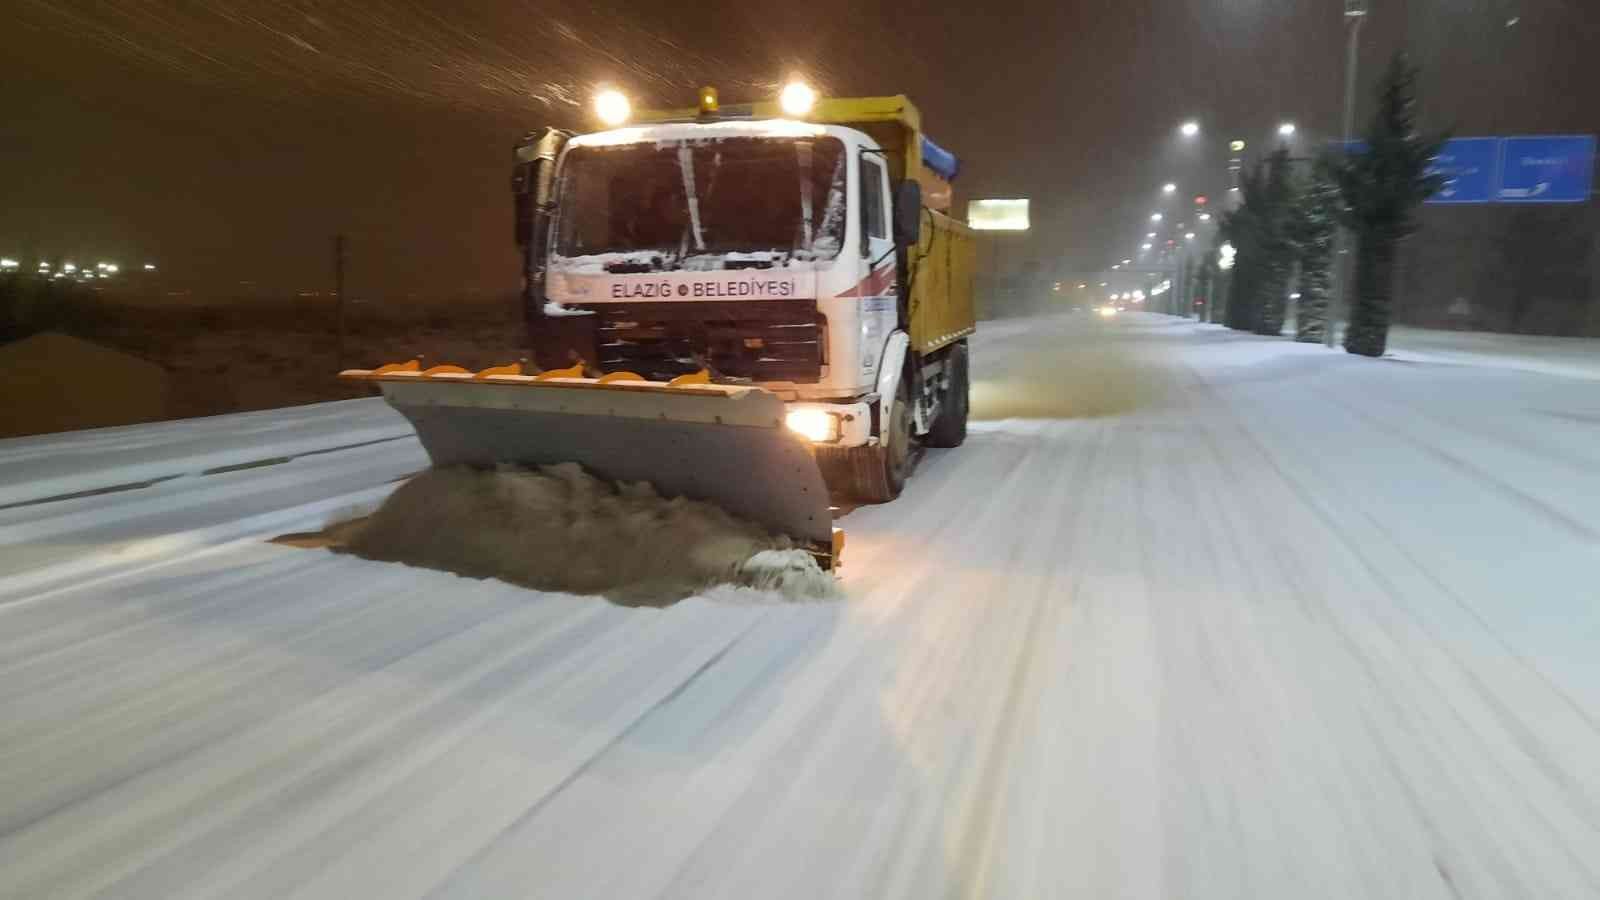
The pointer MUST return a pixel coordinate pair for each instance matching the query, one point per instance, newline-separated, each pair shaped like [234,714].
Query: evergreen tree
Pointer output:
[1312,228]
[1205,281]
[1382,188]
[1241,227]
[1275,242]
[1264,253]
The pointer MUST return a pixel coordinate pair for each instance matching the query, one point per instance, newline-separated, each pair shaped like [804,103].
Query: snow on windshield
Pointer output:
[701,205]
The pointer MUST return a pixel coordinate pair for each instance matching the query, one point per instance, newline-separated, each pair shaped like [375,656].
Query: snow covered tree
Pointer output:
[1264,254]
[1276,242]
[1312,228]
[1382,186]
[1204,283]
[1241,227]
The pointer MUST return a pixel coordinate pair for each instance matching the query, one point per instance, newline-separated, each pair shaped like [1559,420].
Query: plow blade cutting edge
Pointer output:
[726,445]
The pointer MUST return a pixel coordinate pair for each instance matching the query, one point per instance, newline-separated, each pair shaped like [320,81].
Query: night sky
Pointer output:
[229,140]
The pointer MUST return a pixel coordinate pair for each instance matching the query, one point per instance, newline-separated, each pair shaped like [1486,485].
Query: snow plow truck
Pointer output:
[750,305]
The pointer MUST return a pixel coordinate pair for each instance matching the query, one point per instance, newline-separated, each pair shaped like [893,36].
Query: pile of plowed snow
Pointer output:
[558,528]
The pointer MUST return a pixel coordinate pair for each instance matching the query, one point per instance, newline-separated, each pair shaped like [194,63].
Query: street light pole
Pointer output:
[1355,12]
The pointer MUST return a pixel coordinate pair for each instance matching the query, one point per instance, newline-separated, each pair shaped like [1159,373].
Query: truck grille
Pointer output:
[759,340]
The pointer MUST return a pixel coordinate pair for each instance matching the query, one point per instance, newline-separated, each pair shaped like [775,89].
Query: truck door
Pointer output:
[879,312]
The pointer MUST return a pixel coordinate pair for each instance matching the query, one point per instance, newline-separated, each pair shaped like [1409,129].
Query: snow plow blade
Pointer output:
[726,445]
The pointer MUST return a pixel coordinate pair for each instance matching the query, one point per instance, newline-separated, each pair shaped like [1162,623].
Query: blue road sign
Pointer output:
[1547,169]
[1470,167]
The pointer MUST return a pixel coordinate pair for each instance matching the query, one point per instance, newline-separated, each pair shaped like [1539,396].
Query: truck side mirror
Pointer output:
[533,165]
[908,213]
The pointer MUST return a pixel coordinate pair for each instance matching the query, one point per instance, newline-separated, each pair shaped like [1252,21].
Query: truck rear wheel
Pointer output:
[950,428]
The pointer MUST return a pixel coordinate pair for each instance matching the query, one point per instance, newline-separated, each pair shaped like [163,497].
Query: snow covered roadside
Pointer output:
[35,468]
[1568,357]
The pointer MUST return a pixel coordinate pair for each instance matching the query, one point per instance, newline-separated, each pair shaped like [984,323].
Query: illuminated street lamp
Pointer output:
[1189,129]
[1145,246]
[1169,188]
[1205,217]
[149,267]
[8,263]
[1189,236]
[1156,217]
[1286,129]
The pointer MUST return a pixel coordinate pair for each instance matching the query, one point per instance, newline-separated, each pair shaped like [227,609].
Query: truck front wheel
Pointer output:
[875,473]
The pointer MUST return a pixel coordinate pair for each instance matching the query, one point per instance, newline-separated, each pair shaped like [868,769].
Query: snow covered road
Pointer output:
[1192,614]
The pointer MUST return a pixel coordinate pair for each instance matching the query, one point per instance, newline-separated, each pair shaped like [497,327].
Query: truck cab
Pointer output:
[802,254]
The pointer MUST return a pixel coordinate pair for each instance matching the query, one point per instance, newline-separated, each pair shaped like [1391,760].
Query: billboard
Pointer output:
[998,215]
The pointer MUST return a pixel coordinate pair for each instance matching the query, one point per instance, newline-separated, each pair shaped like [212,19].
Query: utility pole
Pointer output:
[1355,12]
[338,293]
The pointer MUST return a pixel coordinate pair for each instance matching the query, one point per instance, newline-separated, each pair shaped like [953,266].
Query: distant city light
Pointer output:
[1082,286]
[1237,146]
[1156,217]
[1205,217]
[1150,234]
[1169,188]
[1286,129]
[149,267]
[1116,266]
[8,263]
[1188,236]
[1295,296]
[1102,284]
[69,267]
[1127,262]
[1190,129]
[1145,246]
[110,268]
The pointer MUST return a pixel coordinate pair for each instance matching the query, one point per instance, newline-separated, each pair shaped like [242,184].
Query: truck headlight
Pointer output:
[612,107]
[814,425]
[797,98]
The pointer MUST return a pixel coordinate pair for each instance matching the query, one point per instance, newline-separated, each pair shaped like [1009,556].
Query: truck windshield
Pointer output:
[729,203]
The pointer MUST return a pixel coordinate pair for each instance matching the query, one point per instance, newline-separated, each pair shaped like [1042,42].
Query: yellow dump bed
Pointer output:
[942,263]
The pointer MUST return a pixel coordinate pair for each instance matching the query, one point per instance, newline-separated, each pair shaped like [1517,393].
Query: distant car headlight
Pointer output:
[814,425]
